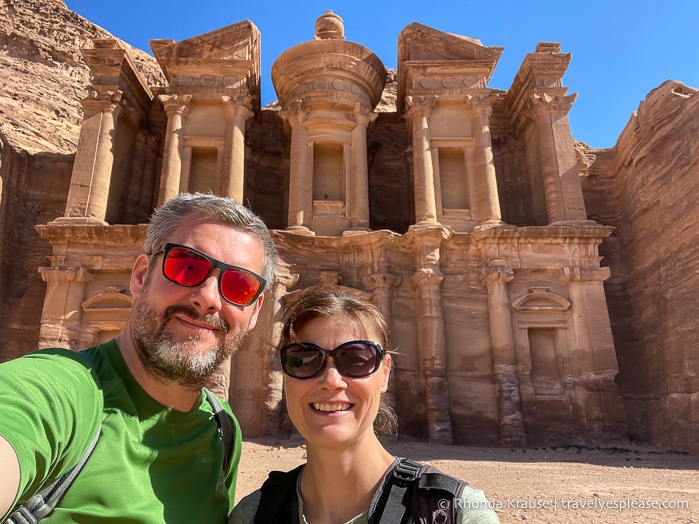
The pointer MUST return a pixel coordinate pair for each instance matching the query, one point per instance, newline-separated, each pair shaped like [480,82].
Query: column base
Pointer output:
[78,221]
[301,230]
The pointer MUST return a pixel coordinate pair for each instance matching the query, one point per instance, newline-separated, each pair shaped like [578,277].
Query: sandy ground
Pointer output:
[544,485]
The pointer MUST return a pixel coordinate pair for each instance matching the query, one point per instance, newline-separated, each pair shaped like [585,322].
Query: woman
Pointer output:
[333,353]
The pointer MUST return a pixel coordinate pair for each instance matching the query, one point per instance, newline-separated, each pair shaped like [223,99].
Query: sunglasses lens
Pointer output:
[302,360]
[353,359]
[185,267]
[239,287]
[356,359]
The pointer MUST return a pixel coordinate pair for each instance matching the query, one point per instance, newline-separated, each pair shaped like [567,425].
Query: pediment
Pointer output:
[540,299]
[418,42]
[239,41]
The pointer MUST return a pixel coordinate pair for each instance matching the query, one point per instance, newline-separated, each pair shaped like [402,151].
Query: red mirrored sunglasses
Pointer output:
[188,267]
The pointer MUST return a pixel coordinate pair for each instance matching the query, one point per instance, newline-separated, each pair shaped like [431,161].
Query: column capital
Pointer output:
[382,279]
[175,104]
[100,101]
[427,276]
[540,104]
[237,105]
[419,105]
[363,115]
[295,112]
[494,275]
[479,104]
[65,274]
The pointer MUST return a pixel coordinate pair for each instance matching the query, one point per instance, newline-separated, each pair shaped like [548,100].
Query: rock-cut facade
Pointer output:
[457,208]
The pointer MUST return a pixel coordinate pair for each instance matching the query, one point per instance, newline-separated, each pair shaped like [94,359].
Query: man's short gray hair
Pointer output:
[171,215]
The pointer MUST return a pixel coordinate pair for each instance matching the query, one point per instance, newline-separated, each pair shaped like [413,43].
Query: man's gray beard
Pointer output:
[170,361]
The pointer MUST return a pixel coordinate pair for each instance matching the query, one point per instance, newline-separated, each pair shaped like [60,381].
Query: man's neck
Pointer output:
[168,393]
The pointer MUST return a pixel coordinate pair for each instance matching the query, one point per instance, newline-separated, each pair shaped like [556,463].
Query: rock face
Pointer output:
[647,187]
[465,217]
[45,76]
[44,79]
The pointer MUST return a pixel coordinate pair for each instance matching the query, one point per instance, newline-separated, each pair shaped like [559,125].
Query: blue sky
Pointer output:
[621,50]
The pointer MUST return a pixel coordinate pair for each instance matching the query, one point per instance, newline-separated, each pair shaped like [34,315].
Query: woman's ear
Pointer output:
[385,370]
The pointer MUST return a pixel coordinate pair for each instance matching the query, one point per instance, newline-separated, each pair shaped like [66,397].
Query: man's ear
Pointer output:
[139,273]
[255,311]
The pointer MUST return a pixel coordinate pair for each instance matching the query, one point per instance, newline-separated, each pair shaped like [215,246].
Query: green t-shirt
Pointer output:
[151,464]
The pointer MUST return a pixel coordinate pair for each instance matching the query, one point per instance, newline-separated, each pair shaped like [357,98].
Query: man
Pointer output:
[159,457]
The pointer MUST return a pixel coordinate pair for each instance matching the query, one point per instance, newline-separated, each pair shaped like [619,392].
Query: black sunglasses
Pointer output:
[356,359]
[189,267]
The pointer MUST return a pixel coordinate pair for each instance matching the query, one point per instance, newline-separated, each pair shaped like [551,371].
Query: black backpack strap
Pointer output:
[224,426]
[435,497]
[278,503]
[414,493]
[395,500]
[438,480]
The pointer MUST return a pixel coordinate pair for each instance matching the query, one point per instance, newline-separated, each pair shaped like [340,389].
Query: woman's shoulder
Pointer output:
[245,510]
[474,507]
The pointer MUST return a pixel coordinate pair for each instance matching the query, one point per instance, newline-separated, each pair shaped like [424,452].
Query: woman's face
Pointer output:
[332,410]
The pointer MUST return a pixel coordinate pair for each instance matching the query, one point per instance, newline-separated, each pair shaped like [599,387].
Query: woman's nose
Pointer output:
[331,376]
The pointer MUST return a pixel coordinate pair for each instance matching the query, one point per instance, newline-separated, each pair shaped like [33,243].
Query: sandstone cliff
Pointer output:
[647,187]
[43,80]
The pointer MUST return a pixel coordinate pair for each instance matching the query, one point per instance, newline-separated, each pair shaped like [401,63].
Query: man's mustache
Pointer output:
[214,321]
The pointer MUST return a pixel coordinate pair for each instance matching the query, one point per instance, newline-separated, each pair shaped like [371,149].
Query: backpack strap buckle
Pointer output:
[406,471]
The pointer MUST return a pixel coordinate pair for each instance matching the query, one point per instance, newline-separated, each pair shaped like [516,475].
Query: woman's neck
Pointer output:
[339,484]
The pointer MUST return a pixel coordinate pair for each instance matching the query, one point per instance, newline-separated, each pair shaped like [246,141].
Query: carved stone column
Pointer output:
[238,110]
[596,392]
[62,314]
[176,107]
[427,282]
[273,379]
[382,285]
[300,183]
[359,172]
[483,187]
[562,189]
[148,195]
[418,113]
[92,170]
[511,421]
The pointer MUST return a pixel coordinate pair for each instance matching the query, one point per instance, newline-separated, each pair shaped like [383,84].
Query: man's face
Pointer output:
[182,334]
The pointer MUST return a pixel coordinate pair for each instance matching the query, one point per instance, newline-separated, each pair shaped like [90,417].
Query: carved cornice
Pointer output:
[587,274]
[65,229]
[319,89]
[439,83]
[210,82]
